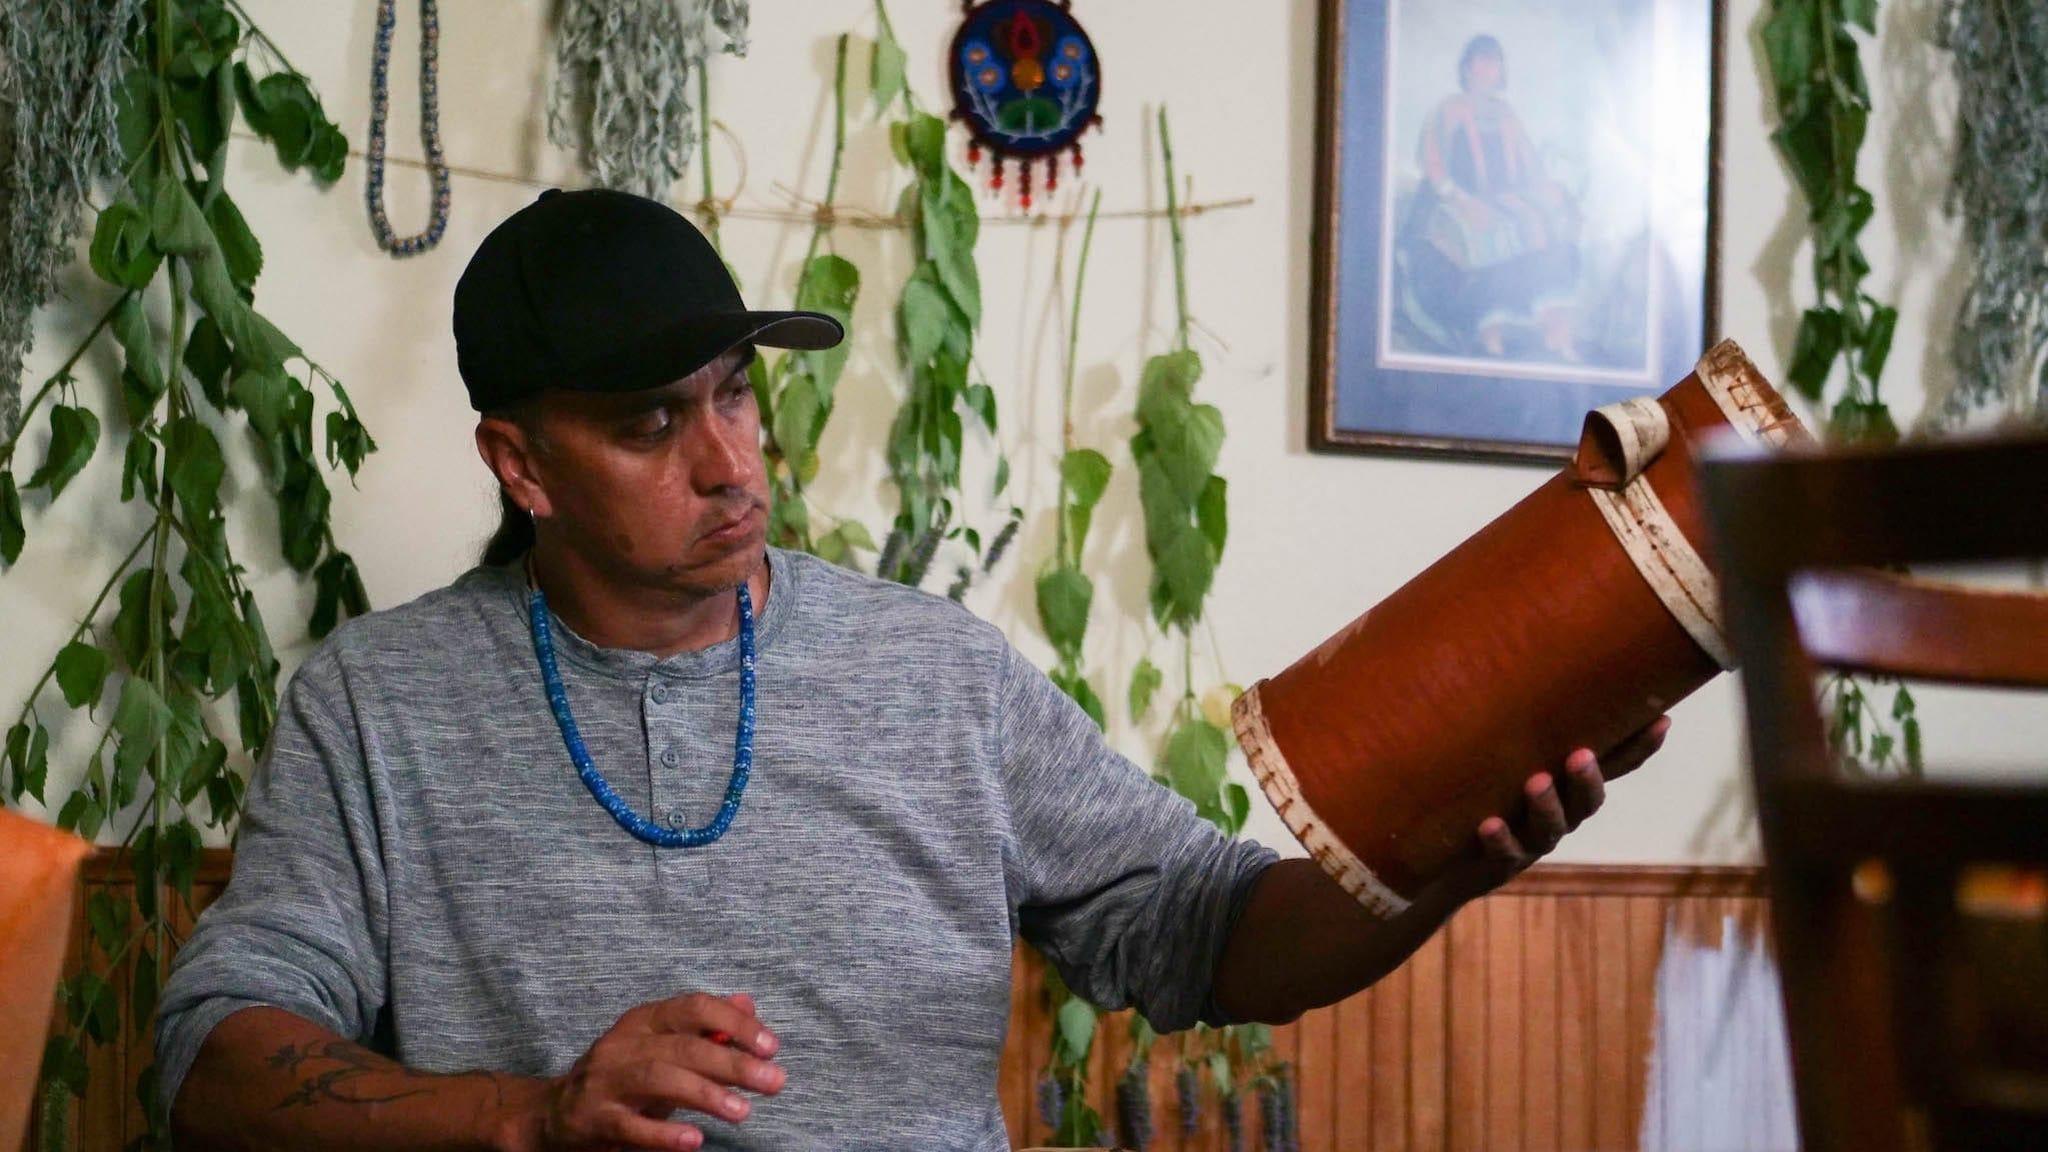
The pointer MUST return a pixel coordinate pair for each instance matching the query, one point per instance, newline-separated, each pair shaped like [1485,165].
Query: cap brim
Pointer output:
[688,345]
[802,331]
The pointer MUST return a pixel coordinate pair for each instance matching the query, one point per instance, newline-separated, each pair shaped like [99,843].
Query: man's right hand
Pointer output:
[659,1058]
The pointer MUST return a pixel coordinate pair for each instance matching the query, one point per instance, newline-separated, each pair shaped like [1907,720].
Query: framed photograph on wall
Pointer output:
[1514,222]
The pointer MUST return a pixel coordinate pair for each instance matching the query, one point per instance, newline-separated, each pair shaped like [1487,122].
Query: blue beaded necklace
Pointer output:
[640,826]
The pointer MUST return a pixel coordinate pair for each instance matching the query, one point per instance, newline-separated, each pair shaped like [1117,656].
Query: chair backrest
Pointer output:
[1913,943]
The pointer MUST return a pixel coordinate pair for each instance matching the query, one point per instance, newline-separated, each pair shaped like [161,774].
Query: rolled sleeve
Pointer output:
[301,924]
[1125,888]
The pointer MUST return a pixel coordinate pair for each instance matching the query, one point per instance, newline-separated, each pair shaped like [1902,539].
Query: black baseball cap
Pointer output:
[603,291]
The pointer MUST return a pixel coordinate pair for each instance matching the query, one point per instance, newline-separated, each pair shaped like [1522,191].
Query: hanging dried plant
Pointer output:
[1134,1106]
[1187,1092]
[60,72]
[1052,1099]
[2001,190]
[1233,1120]
[1279,1126]
[625,76]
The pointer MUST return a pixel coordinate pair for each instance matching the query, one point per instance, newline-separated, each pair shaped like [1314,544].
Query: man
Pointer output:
[656,837]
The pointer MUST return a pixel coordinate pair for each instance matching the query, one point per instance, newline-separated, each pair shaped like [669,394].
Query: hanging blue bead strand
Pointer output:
[430,129]
[640,826]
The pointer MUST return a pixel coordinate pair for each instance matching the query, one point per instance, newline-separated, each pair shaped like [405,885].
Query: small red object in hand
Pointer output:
[721,1037]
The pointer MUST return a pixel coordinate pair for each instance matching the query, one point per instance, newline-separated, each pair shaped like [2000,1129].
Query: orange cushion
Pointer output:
[38,876]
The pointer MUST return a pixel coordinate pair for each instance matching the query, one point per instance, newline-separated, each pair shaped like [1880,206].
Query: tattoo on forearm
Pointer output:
[336,1071]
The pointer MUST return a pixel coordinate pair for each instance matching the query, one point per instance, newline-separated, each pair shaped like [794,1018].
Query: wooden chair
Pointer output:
[1918,1016]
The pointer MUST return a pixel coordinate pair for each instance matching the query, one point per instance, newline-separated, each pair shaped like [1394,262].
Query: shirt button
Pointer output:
[661,695]
[669,759]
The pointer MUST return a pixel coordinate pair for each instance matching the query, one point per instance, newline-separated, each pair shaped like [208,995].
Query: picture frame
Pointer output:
[1485,273]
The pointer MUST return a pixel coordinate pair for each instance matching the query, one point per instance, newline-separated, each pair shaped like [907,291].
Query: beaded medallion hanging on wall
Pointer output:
[1026,83]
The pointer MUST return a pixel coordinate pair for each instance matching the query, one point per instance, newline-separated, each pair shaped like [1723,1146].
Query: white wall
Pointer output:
[1315,539]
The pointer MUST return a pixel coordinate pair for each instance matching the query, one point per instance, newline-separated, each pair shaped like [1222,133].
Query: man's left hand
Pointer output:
[1557,803]
[1304,942]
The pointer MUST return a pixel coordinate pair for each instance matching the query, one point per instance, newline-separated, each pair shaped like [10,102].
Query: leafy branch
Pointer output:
[937,317]
[1861,740]
[1824,111]
[797,394]
[1175,448]
[1063,1094]
[1065,594]
[172,240]
[1186,524]
[11,533]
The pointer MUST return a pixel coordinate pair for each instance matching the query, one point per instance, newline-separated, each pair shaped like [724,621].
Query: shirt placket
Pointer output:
[682,870]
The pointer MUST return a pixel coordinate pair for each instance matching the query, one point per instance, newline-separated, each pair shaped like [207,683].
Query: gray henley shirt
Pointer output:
[420,868]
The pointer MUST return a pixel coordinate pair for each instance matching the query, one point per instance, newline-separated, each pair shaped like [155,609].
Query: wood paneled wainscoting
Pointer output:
[1529,1024]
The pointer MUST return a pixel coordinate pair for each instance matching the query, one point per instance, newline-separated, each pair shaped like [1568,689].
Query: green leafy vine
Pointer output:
[1824,111]
[1176,447]
[1065,595]
[937,318]
[1063,1103]
[172,236]
[1186,525]
[796,394]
